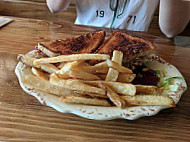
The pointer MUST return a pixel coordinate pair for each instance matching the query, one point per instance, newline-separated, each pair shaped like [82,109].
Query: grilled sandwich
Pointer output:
[131,46]
[88,43]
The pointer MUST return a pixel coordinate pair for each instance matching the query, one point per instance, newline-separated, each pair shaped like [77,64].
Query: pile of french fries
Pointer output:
[106,83]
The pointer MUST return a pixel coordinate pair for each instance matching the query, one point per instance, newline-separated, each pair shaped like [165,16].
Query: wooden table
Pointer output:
[23,118]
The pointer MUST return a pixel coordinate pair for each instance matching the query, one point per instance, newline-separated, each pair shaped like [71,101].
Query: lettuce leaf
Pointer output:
[167,82]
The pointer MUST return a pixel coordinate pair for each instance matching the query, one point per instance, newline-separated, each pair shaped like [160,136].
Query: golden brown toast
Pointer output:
[88,43]
[131,46]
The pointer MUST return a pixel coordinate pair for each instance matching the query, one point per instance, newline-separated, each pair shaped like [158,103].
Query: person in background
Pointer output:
[135,15]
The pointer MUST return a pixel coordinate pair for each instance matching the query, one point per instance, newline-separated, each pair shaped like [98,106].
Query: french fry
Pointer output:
[91,94]
[72,57]
[112,74]
[117,56]
[44,85]
[118,67]
[122,88]
[62,64]
[63,75]
[101,64]
[75,85]
[73,70]
[39,73]
[64,71]
[84,64]
[149,100]
[77,74]
[123,78]
[71,65]
[126,78]
[48,68]
[82,75]
[29,61]
[118,87]
[115,98]
[85,100]
[145,89]
[101,68]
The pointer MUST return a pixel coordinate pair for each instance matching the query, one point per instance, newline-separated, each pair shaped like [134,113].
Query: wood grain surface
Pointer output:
[23,118]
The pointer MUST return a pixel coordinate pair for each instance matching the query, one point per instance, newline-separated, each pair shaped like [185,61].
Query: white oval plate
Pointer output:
[105,113]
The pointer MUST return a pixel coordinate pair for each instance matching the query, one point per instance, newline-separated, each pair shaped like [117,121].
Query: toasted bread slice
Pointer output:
[131,46]
[88,43]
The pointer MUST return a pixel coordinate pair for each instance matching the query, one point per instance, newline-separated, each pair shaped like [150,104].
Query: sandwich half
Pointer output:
[131,46]
[87,43]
